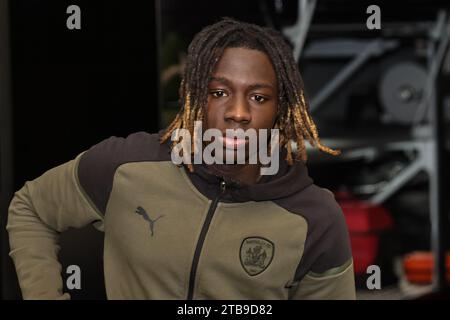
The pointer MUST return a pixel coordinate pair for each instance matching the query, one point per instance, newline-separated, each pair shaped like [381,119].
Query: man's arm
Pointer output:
[38,212]
[335,284]
[326,269]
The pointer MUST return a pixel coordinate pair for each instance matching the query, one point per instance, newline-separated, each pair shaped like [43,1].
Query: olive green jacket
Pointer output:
[173,234]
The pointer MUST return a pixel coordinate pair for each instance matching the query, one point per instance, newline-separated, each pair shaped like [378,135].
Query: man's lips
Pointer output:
[232,143]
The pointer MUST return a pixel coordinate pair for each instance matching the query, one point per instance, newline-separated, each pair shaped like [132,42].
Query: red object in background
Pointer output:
[365,223]
[419,266]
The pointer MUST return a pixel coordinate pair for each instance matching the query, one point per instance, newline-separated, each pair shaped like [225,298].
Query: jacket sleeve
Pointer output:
[38,212]
[335,284]
[327,268]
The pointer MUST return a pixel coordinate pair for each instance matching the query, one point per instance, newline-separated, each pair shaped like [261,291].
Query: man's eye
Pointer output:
[218,94]
[259,98]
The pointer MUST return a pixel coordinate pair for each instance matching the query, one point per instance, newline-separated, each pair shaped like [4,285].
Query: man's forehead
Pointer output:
[245,63]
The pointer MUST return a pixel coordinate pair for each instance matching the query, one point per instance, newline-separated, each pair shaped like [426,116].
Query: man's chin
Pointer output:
[235,156]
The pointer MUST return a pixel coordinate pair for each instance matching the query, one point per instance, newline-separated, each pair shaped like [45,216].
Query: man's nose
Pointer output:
[238,111]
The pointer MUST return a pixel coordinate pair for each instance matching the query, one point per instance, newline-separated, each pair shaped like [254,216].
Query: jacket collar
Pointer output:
[288,181]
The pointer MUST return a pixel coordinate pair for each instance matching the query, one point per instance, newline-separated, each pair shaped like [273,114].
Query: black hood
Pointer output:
[289,180]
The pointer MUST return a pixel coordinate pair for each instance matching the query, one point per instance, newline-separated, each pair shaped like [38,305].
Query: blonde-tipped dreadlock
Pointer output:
[293,121]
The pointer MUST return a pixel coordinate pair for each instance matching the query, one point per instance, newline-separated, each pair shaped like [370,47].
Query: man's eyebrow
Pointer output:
[261,85]
[227,82]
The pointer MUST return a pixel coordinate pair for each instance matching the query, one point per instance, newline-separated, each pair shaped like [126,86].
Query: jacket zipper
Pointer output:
[201,240]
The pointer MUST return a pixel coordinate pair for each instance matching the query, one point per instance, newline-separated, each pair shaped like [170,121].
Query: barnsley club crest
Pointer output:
[256,254]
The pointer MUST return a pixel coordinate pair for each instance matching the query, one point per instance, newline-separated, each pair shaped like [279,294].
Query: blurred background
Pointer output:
[382,96]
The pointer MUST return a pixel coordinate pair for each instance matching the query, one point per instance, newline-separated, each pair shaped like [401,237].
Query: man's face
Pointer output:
[243,92]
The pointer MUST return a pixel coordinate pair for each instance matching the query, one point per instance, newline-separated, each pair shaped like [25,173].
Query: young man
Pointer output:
[197,230]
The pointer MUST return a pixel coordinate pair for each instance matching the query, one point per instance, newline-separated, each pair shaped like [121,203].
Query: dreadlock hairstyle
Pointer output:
[293,119]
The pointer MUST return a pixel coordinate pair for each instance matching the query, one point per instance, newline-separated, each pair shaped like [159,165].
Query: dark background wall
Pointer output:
[70,90]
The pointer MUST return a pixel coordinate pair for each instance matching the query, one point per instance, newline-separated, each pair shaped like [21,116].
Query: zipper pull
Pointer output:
[223,186]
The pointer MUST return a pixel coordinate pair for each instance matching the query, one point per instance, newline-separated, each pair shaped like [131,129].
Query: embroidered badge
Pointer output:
[256,254]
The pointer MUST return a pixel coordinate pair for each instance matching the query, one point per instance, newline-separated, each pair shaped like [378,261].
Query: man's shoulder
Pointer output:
[327,244]
[97,166]
[138,146]
[315,204]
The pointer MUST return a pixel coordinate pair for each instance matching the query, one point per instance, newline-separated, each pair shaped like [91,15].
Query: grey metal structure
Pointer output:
[363,52]
[427,128]
[297,33]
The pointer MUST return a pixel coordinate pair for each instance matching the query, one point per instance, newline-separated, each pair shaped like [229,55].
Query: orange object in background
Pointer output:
[419,266]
